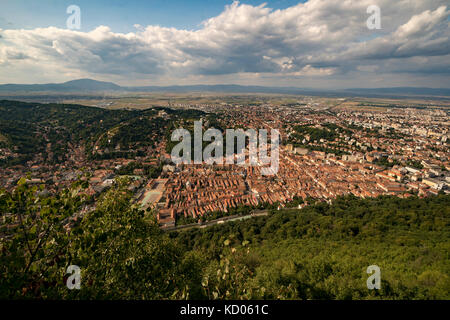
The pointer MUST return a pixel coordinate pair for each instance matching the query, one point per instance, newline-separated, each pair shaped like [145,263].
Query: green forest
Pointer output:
[319,252]
[315,134]
[26,129]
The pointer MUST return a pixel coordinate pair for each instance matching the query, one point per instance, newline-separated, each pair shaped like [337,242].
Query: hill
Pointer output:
[91,86]
[81,85]
[323,251]
[319,252]
[50,132]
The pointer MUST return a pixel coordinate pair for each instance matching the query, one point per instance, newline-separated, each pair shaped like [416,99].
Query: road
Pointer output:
[258,213]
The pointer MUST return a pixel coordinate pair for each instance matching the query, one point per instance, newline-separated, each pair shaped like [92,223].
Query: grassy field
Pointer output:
[147,100]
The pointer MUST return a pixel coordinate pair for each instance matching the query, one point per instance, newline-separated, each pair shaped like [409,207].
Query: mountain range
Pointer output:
[92,86]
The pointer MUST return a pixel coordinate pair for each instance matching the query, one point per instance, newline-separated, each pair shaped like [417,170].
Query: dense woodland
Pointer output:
[315,134]
[27,128]
[328,132]
[319,252]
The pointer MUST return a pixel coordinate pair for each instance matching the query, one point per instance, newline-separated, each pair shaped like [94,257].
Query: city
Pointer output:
[224,158]
[325,152]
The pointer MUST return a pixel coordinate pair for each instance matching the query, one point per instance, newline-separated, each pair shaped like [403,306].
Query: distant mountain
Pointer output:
[226,88]
[402,91]
[89,85]
[81,85]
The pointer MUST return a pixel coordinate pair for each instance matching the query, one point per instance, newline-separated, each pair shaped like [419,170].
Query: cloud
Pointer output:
[319,38]
[425,34]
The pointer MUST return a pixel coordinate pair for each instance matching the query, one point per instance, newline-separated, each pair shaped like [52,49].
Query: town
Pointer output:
[329,148]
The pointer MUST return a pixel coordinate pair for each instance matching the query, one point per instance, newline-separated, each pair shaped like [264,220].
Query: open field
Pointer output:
[144,101]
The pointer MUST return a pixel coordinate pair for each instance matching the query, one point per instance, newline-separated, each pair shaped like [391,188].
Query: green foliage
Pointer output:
[121,255]
[414,164]
[322,251]
[319,252]
[149,171]
[33,240]
[27,129]
[384,161]
[137,132]
[30,126]
[328,134]
[226,277]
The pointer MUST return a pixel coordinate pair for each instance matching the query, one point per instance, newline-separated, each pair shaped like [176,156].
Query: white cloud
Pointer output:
[317,39]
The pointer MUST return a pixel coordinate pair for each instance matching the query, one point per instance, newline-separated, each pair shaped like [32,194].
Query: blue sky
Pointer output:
[313,44]
[119,15]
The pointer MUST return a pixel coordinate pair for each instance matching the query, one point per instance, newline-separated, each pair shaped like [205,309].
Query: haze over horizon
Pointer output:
[92,85]
[315,44]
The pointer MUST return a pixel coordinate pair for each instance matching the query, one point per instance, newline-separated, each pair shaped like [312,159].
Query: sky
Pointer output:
[322,44]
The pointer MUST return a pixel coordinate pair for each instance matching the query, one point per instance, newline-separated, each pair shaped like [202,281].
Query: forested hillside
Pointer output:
[48,133]
[323,251]
[319,252]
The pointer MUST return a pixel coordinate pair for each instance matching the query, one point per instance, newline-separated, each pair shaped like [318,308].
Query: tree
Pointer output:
[33,240]
[121,255]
